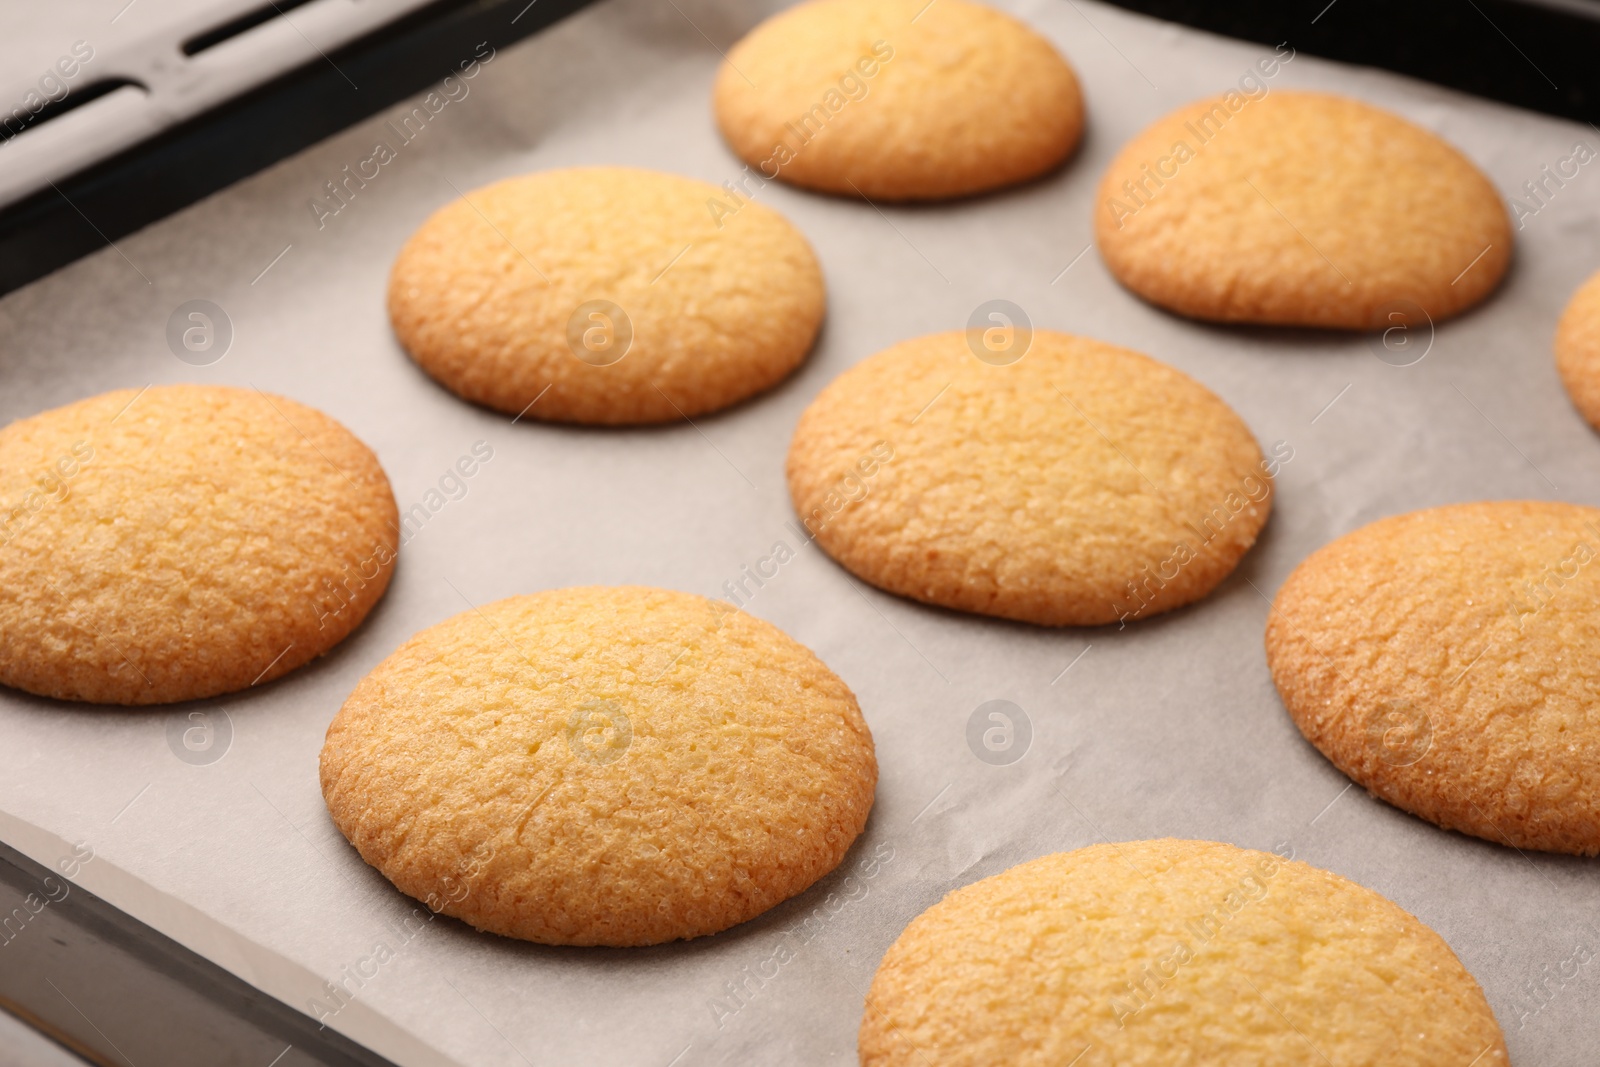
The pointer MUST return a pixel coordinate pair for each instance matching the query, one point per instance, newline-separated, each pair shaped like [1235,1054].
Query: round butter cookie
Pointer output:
[606,295]
[601,766]
[183,541]
[1449,661]
[1578,350]
[1300,209]
[1150,953]
[1079,484]
[897,99]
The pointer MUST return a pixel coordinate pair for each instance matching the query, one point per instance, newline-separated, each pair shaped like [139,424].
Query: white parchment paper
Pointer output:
[1168,727]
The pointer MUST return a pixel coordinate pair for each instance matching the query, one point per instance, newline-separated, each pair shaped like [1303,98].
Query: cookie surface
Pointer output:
[1149,953]
[1578,350]
[1301,209]
[601,766]
[897,99]
[606,295]
[1449,661]
[183,541]
[1080,484]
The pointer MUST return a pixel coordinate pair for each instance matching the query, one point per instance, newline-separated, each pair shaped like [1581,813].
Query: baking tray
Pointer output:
[1167,727]
[69,958]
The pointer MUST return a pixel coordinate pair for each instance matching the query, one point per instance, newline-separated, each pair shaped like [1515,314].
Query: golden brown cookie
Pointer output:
[1578,350]
[1300,209]
[1449,661]
[1148,953]
[601,766]
[183,541]
[606,295]
[1078,484]
[897,99]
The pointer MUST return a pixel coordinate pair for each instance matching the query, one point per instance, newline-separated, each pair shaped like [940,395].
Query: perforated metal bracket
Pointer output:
[173,73]
[109,192]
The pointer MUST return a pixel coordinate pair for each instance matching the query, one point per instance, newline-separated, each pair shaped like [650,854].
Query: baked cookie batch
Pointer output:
[630,766]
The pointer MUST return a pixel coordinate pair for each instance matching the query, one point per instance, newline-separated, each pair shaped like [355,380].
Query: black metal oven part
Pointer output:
[51,228]
[114,991]
[1536,54]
